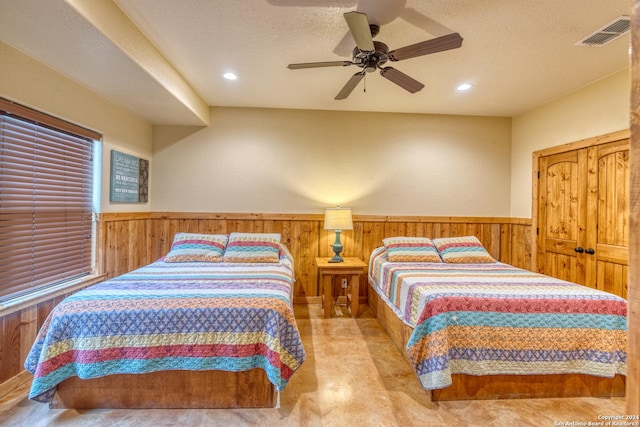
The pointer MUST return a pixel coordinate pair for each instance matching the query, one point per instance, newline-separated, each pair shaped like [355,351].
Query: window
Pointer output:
[46,185]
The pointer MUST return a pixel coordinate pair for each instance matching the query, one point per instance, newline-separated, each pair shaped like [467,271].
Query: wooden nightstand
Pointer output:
[352,267]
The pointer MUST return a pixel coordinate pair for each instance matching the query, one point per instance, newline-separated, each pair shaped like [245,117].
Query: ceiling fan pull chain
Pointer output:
[365,83]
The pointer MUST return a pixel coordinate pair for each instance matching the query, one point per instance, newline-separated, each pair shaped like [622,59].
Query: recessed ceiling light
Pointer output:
[229,76]
[464,86]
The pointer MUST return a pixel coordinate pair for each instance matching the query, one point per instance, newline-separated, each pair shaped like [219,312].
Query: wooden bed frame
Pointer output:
[168,389]
[471,387]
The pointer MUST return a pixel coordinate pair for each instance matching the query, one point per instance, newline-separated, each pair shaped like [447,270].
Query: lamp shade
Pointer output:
[338,219]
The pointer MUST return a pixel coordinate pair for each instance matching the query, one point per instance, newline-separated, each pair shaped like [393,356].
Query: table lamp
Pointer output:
[337,219]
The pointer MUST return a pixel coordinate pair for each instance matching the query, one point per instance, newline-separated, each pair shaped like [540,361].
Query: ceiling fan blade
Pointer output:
[351,84]
[439,44]
[401,79]
[359,27]
[319,64]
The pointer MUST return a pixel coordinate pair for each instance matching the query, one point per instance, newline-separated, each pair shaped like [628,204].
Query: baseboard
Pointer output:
[318,300]
[307,300]
[14,383]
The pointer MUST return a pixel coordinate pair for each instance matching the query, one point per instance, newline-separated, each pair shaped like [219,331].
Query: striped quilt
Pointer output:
[172,316]
[490,319]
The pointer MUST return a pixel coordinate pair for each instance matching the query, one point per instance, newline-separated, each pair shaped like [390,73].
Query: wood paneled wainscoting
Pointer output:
[128,241]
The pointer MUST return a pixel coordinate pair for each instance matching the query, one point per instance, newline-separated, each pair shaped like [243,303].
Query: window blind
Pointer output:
[46,177]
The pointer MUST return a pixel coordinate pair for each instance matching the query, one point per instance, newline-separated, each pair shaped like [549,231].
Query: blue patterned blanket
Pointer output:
[172,316]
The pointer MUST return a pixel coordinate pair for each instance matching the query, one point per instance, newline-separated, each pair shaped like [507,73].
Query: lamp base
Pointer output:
[337,248]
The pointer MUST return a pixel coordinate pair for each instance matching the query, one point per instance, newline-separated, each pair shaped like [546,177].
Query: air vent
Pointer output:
[607,34]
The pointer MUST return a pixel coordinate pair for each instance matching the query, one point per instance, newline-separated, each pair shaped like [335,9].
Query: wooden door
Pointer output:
[607,244]
[583,214]
[562,215]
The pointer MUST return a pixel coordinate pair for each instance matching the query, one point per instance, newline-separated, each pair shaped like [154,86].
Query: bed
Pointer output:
[185,331]
[481,329]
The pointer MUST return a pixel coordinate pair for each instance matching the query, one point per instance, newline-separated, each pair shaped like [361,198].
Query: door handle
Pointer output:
[590,251]
[579,249]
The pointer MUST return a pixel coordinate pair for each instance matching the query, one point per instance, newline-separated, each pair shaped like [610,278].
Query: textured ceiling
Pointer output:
[518,54]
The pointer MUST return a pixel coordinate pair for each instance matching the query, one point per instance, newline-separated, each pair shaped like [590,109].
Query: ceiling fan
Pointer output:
[372,55]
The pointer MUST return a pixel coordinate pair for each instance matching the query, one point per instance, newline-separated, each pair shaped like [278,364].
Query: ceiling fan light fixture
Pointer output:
[464,87]
[370,65]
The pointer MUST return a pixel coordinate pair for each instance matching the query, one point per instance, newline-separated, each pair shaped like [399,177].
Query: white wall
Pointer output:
[597,109]
[30,83]
[300,161]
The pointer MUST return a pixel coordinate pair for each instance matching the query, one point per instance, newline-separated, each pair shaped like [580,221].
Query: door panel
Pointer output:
[562,200]
[561,266]
[611,257]
[613,196]
[612,278]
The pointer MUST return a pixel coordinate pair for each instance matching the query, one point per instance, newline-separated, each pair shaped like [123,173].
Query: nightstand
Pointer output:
[351,267]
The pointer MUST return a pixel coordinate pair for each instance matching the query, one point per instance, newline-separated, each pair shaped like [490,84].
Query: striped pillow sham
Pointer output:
[411,249]
[253,247]
[192,247]
[462,250]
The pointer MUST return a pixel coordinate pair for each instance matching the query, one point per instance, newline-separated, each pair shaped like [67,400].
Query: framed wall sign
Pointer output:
[129,178]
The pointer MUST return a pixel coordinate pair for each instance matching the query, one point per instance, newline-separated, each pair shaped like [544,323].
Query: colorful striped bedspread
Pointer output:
[172,316]
[490,319]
